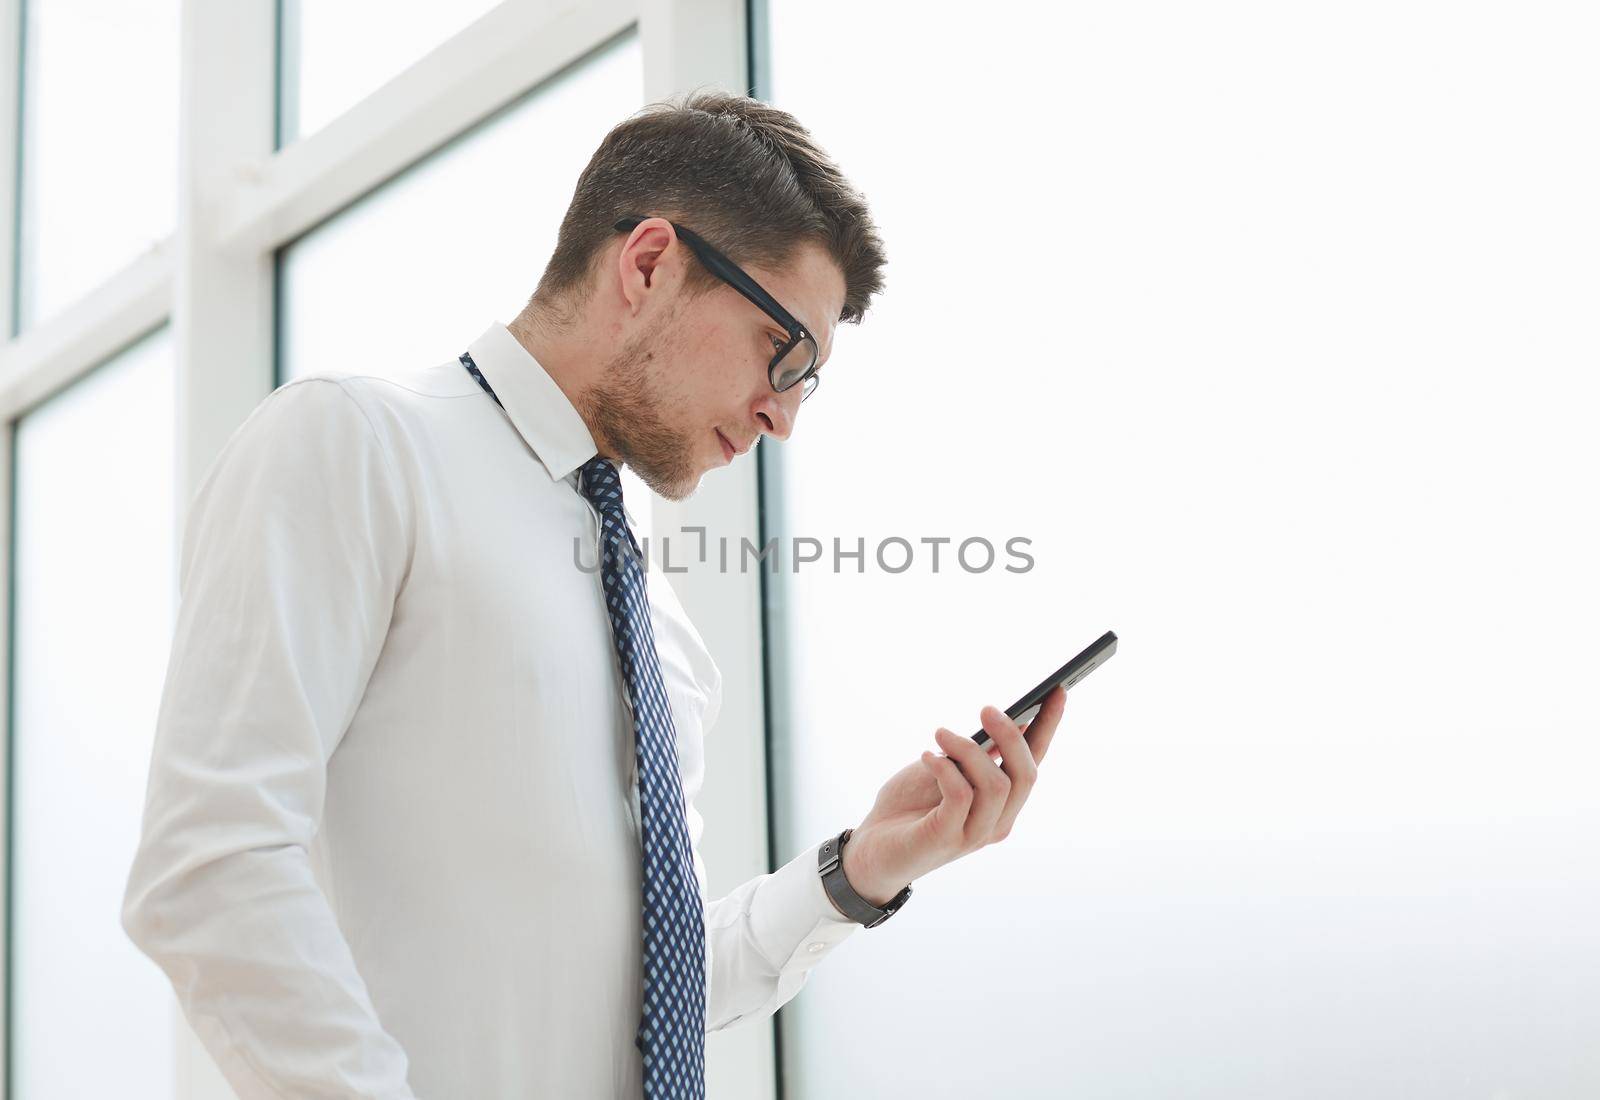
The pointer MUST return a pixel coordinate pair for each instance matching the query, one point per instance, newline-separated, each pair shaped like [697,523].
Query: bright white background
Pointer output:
[98,143]
[335,54]
[1274,327]
[96,580]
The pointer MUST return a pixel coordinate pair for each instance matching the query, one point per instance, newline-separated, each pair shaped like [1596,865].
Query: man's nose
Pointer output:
[775,412]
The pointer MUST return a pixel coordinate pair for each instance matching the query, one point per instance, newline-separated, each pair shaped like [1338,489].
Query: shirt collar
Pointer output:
[537,406]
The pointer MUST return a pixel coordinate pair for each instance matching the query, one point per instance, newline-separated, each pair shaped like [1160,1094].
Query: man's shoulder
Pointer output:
[401,388]
[396,402]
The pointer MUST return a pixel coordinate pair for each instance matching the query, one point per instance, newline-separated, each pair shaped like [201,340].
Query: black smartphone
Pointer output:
[1067,675]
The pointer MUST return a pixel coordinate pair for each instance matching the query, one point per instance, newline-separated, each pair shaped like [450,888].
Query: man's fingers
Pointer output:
[955,793]
[983,787]
[1042,730]
[1019,766]
[990,786]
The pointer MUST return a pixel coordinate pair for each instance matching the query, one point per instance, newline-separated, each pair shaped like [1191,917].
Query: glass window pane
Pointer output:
[1282,354]
[99,144]
[95,587]
[335,55]
[413,273]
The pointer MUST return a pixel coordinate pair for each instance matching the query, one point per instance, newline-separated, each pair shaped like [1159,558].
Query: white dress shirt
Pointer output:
[390,843]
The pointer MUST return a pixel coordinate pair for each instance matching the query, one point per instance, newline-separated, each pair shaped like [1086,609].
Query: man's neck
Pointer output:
[569,357]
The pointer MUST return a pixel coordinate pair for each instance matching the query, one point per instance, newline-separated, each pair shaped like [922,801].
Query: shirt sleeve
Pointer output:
[764,937]
[296,546]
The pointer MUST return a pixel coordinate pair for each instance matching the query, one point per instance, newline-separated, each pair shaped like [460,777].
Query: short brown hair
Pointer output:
[743,174]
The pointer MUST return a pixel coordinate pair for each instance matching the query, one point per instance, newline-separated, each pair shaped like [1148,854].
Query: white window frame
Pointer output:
[213,279]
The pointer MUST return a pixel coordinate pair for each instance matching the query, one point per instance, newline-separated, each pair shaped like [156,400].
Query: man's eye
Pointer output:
[777,342]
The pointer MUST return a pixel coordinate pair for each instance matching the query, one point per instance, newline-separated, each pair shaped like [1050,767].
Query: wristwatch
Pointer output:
[830,865]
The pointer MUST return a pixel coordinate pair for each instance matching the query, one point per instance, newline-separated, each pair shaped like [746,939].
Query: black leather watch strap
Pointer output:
[830,865]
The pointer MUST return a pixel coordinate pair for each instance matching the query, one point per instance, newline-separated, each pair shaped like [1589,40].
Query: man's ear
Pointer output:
[647,261]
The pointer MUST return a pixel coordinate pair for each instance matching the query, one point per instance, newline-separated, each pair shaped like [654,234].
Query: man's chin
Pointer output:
[671,488]
[682,490]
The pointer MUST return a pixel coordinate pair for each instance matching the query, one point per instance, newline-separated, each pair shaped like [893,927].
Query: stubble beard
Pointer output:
[626,407]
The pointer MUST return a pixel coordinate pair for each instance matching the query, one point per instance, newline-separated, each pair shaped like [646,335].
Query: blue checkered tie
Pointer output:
[671,1033]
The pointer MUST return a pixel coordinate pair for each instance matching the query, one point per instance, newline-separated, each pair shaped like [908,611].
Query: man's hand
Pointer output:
[948,805]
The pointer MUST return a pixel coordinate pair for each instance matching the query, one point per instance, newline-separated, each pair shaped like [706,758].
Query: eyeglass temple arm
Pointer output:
[735,277]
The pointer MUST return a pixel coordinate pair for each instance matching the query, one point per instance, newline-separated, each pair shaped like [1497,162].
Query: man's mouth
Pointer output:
[727,448]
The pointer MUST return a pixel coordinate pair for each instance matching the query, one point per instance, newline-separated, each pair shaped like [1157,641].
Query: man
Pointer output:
[420,817]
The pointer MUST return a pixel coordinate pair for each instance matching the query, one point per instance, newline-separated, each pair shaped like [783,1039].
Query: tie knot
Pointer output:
[602,484]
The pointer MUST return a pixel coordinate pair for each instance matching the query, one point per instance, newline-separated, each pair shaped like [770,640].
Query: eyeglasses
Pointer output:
[785,370]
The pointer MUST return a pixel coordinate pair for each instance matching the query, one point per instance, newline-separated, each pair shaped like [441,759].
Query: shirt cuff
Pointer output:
[791,917]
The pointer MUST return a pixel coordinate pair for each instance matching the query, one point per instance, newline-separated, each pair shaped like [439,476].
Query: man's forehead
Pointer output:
[824,333]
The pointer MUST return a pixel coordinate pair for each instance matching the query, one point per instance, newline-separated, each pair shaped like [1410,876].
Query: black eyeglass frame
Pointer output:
[735,276]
